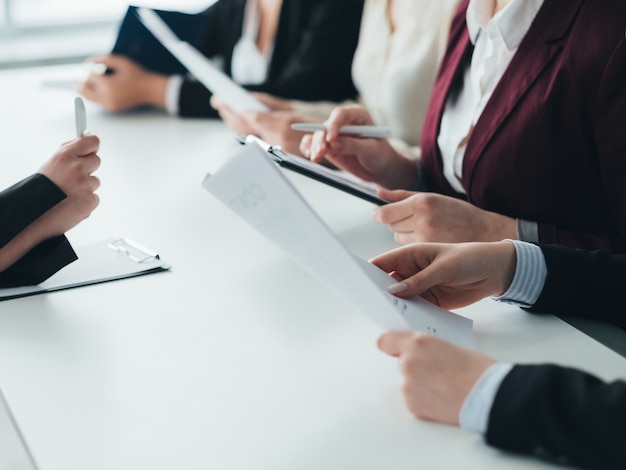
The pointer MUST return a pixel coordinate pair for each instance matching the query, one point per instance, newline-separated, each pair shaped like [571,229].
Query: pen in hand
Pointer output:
[374,132]
[80,116]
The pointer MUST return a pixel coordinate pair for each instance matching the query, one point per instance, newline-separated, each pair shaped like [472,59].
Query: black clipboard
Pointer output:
[316,171]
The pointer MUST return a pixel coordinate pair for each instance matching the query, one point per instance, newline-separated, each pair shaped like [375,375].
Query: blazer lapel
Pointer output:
[538,48]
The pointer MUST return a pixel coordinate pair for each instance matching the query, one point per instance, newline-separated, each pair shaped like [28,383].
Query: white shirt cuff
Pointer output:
[530,276]
[474,415]
[527,231]
[172,94]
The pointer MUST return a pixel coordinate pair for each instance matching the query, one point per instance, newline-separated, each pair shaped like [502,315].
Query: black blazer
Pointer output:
[20,205]
[562,414]
[312,57]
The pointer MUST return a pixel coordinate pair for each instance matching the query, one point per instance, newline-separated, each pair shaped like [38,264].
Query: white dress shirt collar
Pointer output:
[511,23]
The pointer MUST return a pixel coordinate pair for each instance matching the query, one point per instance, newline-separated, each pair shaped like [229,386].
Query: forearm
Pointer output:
[24,202]
[39,263]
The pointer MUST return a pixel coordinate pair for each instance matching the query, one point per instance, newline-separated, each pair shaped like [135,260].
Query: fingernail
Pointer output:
[397,288]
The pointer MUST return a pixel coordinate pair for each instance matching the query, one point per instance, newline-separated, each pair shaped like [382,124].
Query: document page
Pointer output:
[236,97]
[253,187]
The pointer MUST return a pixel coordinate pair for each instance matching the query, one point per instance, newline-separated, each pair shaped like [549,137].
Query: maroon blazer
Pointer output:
[550,146]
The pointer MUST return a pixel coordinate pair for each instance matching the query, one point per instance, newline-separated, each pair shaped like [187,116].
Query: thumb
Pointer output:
[432,275]
[393,343]
[394,195]
[111,61]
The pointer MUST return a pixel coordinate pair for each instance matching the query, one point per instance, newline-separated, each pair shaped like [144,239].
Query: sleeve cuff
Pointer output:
[530,276]
[527,231]
[172,94]
[474,415]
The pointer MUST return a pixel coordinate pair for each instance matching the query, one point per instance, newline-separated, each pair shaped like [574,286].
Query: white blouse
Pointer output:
[394,72]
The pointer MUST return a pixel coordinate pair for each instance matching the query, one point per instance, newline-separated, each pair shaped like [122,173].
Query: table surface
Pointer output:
[237,358]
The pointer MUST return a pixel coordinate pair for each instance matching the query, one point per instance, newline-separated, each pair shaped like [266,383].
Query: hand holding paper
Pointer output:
[258,192]
[237,98]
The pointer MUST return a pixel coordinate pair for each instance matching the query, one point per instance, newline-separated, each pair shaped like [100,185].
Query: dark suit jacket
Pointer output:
[20,205]
[312,57]
[550,146]
[558,413]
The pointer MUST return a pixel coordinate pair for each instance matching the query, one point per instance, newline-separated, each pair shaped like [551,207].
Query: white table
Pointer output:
[237,358]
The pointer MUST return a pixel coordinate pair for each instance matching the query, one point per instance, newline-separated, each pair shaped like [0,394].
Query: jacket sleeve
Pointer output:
[40,263]
[584,284]
[609,122]
[561,415]
[20,205]
[312,56]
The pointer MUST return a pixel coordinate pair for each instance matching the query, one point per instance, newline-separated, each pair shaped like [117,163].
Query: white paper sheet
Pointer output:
[14,453]
[253,187]
[237,98]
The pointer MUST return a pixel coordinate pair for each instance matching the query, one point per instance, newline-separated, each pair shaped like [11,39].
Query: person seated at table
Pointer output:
[524,136]
[557,413]
[283,47]
[396,59]
[36,212]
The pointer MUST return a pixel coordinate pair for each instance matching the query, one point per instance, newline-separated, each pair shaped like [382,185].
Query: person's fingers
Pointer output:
[90,163]
[394,195]
[393,212]
[84,145]
[305,145]
[394,343]
[217,103]
[319,146]
[434,274]
[95,183]
[111,61]
[343,116]
[258,121]
[397,260]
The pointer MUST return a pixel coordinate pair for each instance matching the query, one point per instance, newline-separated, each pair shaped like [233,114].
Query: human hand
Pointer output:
[369,159]
[450,275]
[233,120]
[70,168]
[275,128]
[273,102]
[129,85]
[438,376]
[430,217]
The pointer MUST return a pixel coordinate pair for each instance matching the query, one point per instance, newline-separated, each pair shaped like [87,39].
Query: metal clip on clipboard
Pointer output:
[345,182]
[134,251]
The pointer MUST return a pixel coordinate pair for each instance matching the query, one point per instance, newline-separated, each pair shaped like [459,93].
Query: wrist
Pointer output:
[502,228]
[507,263]
[155,88]
[403,172]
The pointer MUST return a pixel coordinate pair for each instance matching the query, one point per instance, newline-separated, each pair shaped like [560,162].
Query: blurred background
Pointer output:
[38,32]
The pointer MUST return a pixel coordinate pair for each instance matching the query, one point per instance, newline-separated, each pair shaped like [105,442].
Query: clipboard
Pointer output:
[334,178]
[105,261]
[258,192]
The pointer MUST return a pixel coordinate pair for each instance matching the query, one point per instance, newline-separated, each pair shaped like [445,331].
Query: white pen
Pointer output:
[81,116]
[375,132]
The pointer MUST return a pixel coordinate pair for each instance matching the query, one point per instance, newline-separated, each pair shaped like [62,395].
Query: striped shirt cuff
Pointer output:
[530,276]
